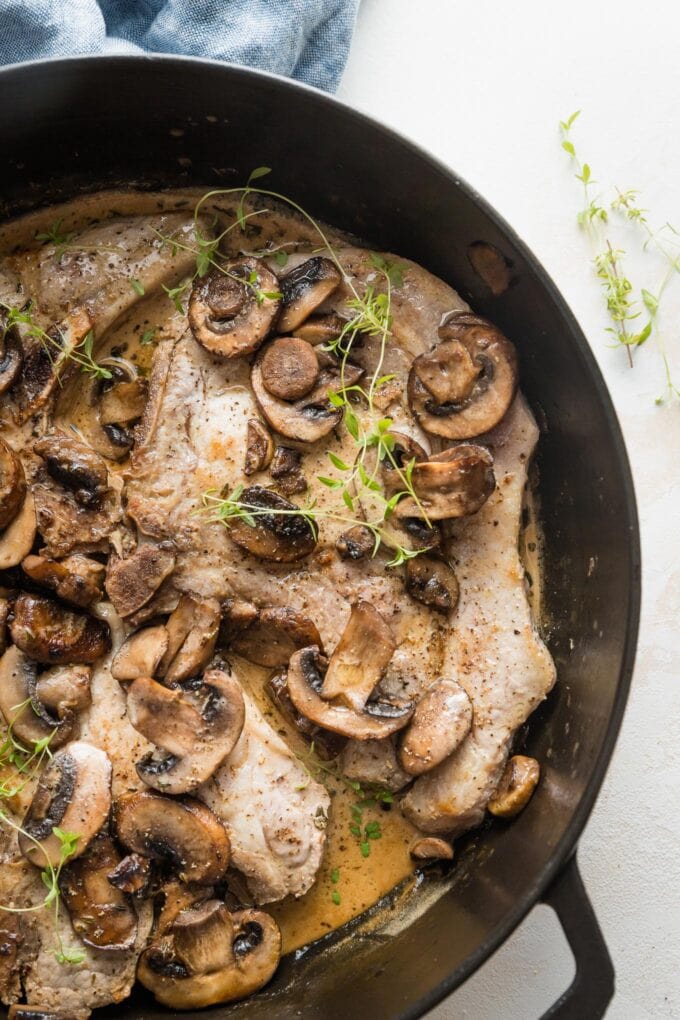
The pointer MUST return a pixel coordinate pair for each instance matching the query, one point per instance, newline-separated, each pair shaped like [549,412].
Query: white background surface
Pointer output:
[482,85]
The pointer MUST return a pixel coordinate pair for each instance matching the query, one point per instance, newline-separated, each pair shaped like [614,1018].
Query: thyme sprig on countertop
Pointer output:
[624,306]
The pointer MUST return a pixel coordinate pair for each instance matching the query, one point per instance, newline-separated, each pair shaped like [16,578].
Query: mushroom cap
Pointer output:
[74,465]
[441,721]
[100,913]
[431,848]
[454,483]
[140,654]
[463,387]
[376,720]
[12,484]
[183,832]
[321,329]
[76,579]
[192,630]
[515,789]
[290,368]
[282,537]
[132,582]
[197,725]
[231,310]
[246,943]
[327,745]
[73,794]
[259,447]
[16,541]
[272,637]
[52,634]
[30,722]
[433,583]
[304,289]
[310,417]
[360,657]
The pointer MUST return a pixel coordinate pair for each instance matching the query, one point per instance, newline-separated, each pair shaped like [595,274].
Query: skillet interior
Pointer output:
[87,123]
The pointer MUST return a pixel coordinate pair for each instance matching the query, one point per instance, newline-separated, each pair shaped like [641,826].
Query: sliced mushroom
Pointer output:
[259,447]
[74,795]
[45,364]
[454,483]
[231,310]
[131,874]
[21,707]
[431,848]
[124,402]
[304,289]
[17,539]
[440,723]
[236,616]
[274,635]
[197,725]
[211,957]
[141,654]
[52,634]
[463,387]
[132,582]
[321,329]
[433,583]
[290,368]
[355,543]
[76,579]
[285,470]
[405,530]
[100,913]
[174,897]
[518,782]
[360,658]
[75,466]
[327,745]
[10,355]
[192,631]
[4,614]
[280,531]
[182,832]
[377,719]
[312,416]
[12,484]
[113,406]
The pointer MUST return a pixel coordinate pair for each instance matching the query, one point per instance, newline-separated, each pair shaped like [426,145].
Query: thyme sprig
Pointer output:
[624,306]
[80,354]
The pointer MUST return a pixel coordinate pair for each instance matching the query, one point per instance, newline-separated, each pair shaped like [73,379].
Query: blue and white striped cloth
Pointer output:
[304,39]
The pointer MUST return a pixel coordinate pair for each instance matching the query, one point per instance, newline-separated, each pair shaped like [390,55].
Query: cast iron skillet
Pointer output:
[80,124]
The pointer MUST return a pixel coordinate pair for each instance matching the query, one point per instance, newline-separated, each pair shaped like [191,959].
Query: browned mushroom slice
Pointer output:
[431,848]
[75,466]
[312,416]
[356,543]
[279,530]
[100,913]
[4,614]
[236,616]
[321,329]
[174,897]
[16,541]
[327,745]
[12,484]
[433,583]
[211,957]
[360,658]
[440,723]
[76,579]
[376,720]
[132,582]
[196,725]
[515,789]
[259,447]
[10,354]
[304,289]
[183,832]
[74,795]
[45,363]
[286,470]
[274,635]
[290,368]
[124,402]
[64,688]
[463,387]
[399,531]
[454,483]
[192,634]
[52,634]
[141,654]
[22,708]
[231,310]
[131,874]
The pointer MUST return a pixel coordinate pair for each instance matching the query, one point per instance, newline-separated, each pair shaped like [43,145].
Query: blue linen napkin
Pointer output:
[304,39]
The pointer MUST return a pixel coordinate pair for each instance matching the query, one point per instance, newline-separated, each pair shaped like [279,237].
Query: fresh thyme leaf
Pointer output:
[335,875]
[148,336]
[137,286]
[365,848]
[177,293]
[335,896]
[281,257]
[651,303]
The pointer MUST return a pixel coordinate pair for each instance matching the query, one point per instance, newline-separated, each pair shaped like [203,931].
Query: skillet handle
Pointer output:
[593,986]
